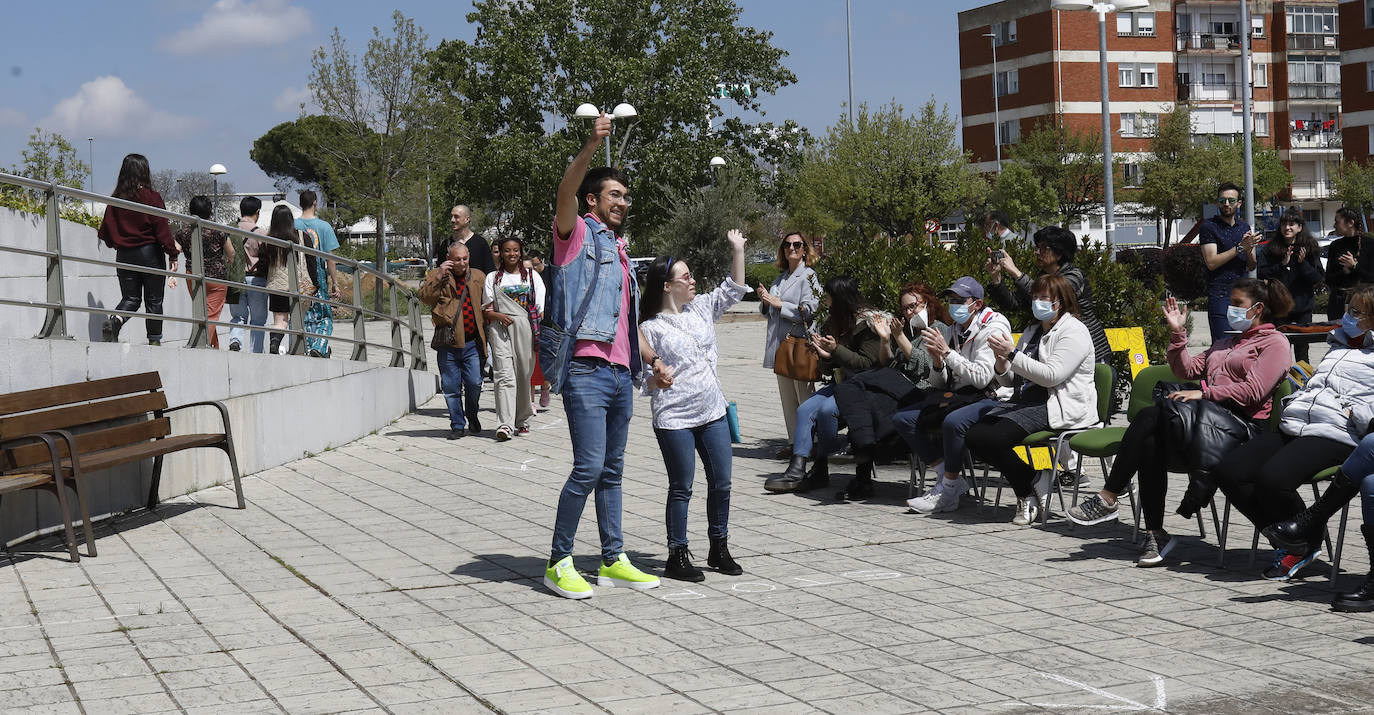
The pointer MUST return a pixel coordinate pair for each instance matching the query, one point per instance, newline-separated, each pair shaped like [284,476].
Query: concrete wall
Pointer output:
[281,408]
[22,278]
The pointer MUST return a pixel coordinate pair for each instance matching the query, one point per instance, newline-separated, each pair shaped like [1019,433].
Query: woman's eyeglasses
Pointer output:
[793,245]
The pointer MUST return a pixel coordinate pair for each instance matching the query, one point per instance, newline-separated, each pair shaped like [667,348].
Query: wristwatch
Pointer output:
[653,361]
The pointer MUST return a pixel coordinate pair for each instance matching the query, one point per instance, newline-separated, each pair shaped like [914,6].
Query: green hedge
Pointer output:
[756,273]
[23,202]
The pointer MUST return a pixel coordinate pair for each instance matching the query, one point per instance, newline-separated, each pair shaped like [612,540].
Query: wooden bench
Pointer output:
[53,481]
[104,423]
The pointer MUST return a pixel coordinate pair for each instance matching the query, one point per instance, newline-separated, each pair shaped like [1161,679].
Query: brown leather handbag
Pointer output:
[796,359]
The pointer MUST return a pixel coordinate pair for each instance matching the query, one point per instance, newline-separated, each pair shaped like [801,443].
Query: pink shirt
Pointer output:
[564,251]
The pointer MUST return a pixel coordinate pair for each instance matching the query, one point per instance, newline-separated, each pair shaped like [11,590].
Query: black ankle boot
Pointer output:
[788,480]
[721,560]
[1198,495]
[1362,599]
[680,566]
[1297,535]
[862,485]
[274,343]
[818,477]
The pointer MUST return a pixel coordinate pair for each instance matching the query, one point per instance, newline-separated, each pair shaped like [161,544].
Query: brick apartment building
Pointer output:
[1357,77]
[1172,51]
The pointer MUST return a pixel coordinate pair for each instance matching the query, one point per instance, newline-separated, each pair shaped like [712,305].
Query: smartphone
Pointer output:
[997,255]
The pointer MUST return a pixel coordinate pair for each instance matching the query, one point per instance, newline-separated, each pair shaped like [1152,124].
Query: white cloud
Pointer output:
[107,107]
[234,24]
[12,118]
[291,99]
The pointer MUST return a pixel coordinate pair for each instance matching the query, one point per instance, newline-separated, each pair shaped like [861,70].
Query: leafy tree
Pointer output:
[533,62]
[1023,196]
[886,175]
[284,152]
[50,157]
[697,223]
[177,188]
[1066,162]
[385,127]
[1353,183]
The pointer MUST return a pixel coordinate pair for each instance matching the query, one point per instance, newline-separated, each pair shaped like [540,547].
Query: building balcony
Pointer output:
[1309,190]
[1324,92]
[1325,43]
[1304,140]
[1200,92]
[1206,42]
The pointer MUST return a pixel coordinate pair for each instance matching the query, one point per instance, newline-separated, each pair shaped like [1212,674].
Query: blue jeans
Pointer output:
[712,441]
[952,431]
[250,310]
[1359,466]
[821,413]
[1217,303]
[460,374]
[598,400]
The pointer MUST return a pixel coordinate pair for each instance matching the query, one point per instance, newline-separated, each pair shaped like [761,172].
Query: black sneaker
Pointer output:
[1287,565]
[457,433]
[109,328]
[1069,478]
[680,566]
[721,560]
[234,346]
[1157,545]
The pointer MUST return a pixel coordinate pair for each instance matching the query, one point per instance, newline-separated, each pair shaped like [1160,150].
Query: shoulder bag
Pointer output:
[795,359]
[556,342]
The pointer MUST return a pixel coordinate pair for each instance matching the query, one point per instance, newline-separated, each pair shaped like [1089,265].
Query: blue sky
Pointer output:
[192,83]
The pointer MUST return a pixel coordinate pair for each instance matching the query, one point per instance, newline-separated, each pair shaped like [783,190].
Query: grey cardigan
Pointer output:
[800,296]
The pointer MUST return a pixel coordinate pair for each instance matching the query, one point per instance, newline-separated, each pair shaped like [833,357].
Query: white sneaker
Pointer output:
[1027,511]
[945,498]
[930,495]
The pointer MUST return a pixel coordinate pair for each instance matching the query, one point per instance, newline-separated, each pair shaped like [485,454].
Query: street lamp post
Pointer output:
[996,123]
[716,163]
[624,110]
[1102,8]
[90,157]
[216,170]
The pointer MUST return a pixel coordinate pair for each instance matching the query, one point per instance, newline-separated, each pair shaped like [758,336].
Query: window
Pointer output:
[1130,174]
[1261,122]
[1369,13]
[1005,32]
[1260,73]
[1009,131]
[1007,83]
[1222,27]
[1137,75]
[1304,69]
[1135,23]
[1138,124]
[1369,76]
[1257,27]
[1313,20]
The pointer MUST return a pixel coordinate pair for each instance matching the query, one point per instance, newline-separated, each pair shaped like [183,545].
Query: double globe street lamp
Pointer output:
[1102,8]
[624,110]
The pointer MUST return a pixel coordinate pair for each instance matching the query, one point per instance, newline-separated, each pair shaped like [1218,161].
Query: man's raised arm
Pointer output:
[565,219]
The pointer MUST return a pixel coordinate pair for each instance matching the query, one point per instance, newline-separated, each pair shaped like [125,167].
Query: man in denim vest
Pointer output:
[598,394]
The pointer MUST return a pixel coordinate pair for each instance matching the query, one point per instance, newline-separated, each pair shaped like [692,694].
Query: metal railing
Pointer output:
[1207,41]
[1314,90]
[1209,92]
[1325,139]
[405,349]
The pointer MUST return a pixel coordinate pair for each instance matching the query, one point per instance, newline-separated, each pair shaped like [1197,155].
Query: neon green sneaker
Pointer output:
[623,574]
[564,580]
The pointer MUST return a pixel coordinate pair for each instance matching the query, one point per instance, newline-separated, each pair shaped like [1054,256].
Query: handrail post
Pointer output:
[417,336]
[200,330]
[297,333]
[398,353]
[359,320]
[55,326]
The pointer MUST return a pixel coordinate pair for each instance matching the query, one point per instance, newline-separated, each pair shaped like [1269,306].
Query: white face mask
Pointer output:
[918,321]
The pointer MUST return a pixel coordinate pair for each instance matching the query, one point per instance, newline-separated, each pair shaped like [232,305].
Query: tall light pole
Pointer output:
[216,170]
[624,110]
[90,157]
[849,50]
[1247,124]
[716,163]
[1102,8]
[996,123]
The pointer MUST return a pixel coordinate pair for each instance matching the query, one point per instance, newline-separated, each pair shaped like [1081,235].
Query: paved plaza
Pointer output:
[402,573]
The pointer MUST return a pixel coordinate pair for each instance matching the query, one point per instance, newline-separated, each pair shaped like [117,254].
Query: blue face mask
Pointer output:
[1043,309]
[1351,325]
[1235,316]
[960,313]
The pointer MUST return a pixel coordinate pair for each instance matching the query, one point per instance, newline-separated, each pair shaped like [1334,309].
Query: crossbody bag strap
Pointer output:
[591,291]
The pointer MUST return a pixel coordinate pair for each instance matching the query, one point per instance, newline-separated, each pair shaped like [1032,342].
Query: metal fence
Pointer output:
[406,344]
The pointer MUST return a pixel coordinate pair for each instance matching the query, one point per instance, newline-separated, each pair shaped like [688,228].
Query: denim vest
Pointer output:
[568,286]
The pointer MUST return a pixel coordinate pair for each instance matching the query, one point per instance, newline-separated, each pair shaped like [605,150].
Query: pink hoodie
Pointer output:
[1241,370]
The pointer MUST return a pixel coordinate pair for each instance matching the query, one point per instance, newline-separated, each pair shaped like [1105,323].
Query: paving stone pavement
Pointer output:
[402,573]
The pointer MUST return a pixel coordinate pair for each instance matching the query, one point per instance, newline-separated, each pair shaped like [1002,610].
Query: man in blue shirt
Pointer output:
[328,241]
[1228,249]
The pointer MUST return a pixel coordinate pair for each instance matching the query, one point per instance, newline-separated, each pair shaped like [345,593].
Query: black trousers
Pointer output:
[136,287]
[994,440]
[1140,457]
[1263,476]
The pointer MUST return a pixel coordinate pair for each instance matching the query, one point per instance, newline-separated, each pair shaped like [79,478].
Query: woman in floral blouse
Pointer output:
[689,406]
[218,254]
